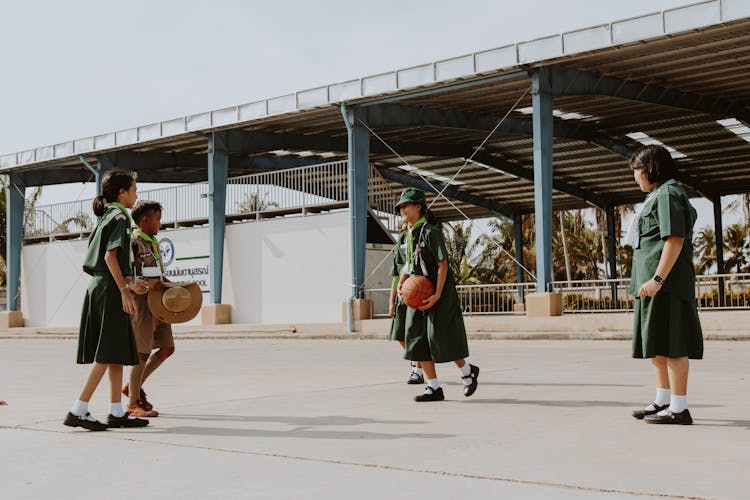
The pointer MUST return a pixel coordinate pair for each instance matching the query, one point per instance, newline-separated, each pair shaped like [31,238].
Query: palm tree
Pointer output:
[256,202]
[464,252]
[704,244]
[736,245]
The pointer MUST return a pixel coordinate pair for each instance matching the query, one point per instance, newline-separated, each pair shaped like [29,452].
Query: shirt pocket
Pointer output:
[649,225]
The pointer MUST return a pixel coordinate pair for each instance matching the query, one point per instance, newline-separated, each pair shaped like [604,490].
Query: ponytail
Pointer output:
[99,205]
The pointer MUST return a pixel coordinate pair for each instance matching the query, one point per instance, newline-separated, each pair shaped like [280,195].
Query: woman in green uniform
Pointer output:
[666,326]
[435,332]
[106,336]
[397,309]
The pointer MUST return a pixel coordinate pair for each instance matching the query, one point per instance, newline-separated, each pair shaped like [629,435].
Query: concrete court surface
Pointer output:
[286,418]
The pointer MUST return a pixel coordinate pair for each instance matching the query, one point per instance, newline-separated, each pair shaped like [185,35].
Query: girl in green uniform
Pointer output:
[435,332]
[106,336]
[666,326]
[397,309]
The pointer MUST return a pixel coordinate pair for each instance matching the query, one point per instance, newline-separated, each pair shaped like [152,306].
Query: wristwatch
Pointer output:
[659,280]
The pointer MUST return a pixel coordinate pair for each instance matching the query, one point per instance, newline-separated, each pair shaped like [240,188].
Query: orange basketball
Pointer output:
[415,290]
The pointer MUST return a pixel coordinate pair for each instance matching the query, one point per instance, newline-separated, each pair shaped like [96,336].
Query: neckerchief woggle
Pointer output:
[121,208]
[154,246]
[633,237]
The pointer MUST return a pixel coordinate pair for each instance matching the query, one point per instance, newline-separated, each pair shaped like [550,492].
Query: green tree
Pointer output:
[736,246]
[704,245]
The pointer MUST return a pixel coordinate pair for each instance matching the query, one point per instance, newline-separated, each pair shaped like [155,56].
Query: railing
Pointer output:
[291,191]
[589,296]
[594,295]
[474,299]
[723,291]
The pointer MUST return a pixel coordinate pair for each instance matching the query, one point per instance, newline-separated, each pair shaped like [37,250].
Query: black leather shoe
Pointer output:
[681,418]
[124,421]
[415,378]
[76,421]
[474,375]
[430,395]
[639,414]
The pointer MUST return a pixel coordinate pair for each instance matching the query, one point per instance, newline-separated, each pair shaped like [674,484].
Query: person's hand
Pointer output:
[649,289]
[156,285]
[128,304]
[429,302]
[140,286]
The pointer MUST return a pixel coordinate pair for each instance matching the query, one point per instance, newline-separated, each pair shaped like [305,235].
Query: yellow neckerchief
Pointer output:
[154,245]
[121,208]
[409,244]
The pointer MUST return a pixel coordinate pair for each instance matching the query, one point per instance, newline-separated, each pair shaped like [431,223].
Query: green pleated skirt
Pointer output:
[665,325]
[106,334]
[437,334]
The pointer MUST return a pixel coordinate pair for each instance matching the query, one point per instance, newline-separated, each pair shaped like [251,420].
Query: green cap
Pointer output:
[411,195]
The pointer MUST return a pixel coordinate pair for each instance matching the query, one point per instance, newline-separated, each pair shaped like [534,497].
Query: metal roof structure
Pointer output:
[678,77]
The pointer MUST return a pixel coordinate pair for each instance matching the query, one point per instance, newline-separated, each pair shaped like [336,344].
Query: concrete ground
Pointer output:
[291,418]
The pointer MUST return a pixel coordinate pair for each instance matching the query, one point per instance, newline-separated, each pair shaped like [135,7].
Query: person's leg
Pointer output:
[677,413]
[95,376]
[79,415]
[678,378]
[469,375]
[115,384]
[661,400]
[136,379]
[155,361]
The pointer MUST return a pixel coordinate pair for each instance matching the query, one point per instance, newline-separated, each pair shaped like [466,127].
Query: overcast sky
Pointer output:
[77,68]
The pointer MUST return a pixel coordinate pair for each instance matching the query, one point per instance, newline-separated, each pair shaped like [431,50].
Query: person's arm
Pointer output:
[392,301]
[669,255]
[110,258]
[442,274]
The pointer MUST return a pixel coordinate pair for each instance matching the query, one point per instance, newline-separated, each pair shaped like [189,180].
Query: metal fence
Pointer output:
[474,299]
[268,194]
[589,296]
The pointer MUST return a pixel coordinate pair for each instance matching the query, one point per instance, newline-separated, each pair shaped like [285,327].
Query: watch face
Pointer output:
[658,278]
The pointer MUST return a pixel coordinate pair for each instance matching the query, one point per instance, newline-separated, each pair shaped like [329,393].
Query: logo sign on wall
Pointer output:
[189,268]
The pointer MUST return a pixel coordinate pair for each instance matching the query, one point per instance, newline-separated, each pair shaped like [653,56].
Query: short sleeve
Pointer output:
[118,235]
[437,245]
[672,214]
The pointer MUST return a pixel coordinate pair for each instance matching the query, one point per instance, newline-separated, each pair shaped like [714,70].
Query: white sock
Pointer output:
[466,369]
[433,383]
[116,409]
[678,404]
[419,371]
[80,408]
[662,396]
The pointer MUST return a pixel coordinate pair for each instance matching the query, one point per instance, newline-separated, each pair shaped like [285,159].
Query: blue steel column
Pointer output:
[612,253]
[359,158]
[719,237]
[15,198]
[541,100]
[218,168]
[518,234]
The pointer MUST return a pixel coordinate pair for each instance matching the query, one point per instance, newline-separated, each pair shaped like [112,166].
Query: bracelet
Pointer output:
[124,287]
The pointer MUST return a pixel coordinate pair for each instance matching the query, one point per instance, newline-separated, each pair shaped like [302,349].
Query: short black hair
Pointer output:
[655,161]
[145,208]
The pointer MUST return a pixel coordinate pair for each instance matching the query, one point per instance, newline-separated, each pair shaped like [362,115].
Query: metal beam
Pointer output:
[503,166]
[359,168]
[218,165]
[573,82]
[15,199]
[449,192]
[518,247]
[612,253]
[719,241]
[543,132]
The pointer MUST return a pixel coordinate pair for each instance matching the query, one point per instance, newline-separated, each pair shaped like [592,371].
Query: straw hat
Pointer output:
[175,302]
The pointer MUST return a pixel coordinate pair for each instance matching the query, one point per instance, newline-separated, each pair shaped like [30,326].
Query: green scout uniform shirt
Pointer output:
[105,334]
[668,213]
[437,334]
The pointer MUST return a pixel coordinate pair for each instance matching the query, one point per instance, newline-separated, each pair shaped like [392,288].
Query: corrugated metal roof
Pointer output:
[702,48]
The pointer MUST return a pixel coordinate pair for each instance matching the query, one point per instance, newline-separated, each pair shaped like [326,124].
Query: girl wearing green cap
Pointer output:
[435,332]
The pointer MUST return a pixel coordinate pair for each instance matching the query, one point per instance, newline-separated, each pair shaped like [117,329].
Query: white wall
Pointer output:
[285,270]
